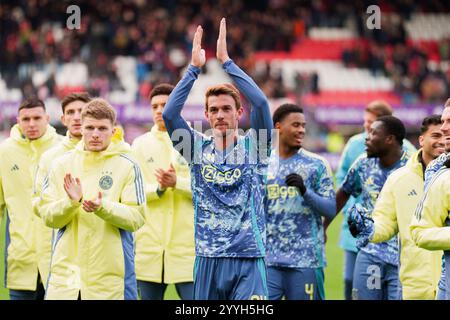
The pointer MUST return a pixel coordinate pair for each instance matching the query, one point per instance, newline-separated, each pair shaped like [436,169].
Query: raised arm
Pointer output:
[260,114]
[172,111]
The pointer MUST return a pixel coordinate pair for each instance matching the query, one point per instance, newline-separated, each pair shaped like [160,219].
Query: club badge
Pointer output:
[106,182]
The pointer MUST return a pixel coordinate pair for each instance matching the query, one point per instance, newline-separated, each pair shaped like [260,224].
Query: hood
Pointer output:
[163,135]
[118,134]
[17,135]
[415,164]
[69,142]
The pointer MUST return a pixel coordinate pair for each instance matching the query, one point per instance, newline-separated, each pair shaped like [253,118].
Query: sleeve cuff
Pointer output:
[308,195]
[160,192]
[194,69]
[103,211]
[227,63]
[75,204]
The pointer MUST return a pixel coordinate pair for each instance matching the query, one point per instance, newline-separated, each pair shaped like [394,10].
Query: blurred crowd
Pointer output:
[414,70]
[158,33]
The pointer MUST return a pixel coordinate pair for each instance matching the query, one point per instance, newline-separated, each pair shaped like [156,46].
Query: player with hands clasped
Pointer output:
[72,105]
[165,250]
[94,196]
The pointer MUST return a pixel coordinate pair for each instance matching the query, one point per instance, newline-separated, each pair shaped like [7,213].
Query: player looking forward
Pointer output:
[228,179]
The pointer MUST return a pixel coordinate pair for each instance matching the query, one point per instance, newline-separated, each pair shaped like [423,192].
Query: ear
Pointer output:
[240,112]
[390,139]
[47,117]
[421,141]
[206,114]
[114,130]
[63,119]
[277,125]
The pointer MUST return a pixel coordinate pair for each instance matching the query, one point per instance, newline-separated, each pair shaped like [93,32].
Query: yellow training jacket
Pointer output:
[167,238]
[93,253]
[430,231]
[19,158]
[419,269]
[44,233]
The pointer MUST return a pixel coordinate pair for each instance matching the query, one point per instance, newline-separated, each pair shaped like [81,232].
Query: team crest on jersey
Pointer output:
[106,182]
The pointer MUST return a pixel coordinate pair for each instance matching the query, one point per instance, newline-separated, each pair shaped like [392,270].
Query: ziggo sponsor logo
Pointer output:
[211,174]
[274,191]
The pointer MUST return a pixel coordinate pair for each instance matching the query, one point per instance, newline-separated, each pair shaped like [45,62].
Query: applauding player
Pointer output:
[228,174]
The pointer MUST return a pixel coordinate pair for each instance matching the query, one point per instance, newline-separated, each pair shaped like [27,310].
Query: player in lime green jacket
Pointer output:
[72,105]
[19,157]
[430,225]
[419,269]
[431,230]
[165,244]
[94,196]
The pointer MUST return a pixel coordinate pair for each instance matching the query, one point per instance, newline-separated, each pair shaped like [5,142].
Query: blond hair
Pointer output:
[99,109]
[379,108]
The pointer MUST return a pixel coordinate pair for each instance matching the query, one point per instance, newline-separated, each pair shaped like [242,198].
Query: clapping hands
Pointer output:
[73,188]
[198,58]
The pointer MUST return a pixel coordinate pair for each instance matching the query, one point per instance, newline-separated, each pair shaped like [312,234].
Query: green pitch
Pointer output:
[333,273]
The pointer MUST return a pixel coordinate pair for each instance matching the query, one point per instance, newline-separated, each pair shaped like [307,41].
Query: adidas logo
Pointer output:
[412,193]
[150,160]
[15,167]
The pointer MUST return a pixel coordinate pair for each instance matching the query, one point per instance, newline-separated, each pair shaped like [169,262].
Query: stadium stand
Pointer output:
[319,54]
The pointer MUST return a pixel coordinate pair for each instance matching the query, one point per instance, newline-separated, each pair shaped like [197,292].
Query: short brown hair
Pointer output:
[164,89]
[99,109]
[225,88]
[75,96]
[32,102]
[379,108]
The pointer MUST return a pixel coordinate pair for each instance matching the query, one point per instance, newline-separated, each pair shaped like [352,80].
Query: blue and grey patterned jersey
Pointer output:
[228,190]
[294,226]
[367,177]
